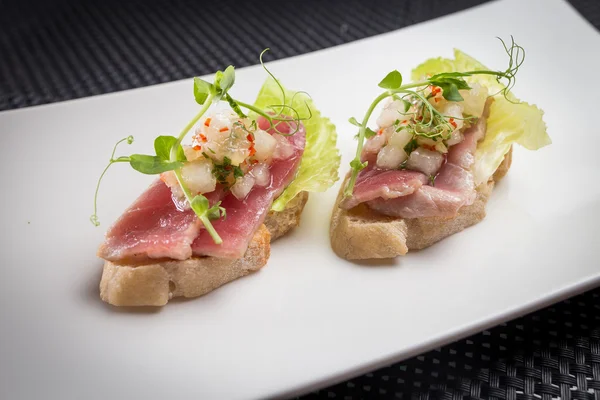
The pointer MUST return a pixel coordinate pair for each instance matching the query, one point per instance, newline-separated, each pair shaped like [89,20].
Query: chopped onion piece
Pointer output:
[426,161]
[170,180]
[261,174]
[374,144]
[198,176]
[390,157]
[455,138]
[400,139]
[390,113]
[264,144]
[474,99]
[454,113]
[284,148]
[242,186]
[192,154]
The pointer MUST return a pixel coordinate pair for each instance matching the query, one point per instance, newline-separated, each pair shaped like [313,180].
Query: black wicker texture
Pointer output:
[60,50]
[56,50]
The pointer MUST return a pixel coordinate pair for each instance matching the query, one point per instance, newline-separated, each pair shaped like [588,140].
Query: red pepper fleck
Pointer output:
[207,122]
[435,90]
[197,148]
[437,99]
[405,121]
[225,129]
[254,162]
[420,118]
[380,132]
[202,137]
[451,120]
[250,138]
[252,150]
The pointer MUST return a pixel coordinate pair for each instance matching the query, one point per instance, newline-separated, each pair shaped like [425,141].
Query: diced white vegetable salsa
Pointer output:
[228,150]
[397,144]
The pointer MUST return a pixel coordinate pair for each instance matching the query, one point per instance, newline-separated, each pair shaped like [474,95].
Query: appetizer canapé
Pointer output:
[241,181]
[428,168]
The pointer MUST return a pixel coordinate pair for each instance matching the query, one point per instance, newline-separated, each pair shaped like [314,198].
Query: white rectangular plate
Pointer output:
[308,318]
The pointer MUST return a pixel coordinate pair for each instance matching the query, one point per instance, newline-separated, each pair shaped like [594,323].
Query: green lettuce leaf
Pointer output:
[508,123]
[321,160]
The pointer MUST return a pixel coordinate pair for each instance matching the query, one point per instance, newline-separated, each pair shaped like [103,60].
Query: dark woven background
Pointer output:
[55,50]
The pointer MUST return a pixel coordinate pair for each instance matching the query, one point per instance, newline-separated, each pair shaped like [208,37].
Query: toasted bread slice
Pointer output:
[279,223]
[154,284]
[361,233]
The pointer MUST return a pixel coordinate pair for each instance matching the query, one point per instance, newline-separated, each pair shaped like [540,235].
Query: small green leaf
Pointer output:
[432,180]
[357,165]
[393,80]
[460,83]
[222,171]
[152,165]
[450,85]
[217,91]
[354,122]
[200,205]
[218,77]
[227,79]
[450,91]
[216,212]
[411,146]
[407,105]
[202,89]
[163,146]
[213,213]
[237,172]
[369,133]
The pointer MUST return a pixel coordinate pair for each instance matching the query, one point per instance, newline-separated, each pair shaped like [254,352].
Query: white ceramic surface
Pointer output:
[308,318]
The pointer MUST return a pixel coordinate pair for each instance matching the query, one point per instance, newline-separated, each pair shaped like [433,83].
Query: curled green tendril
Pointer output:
[129,139]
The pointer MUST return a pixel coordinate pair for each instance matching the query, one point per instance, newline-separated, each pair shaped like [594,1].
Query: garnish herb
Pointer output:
[430,123]
[393,80]
[223,171]
[411,146]
[170,155]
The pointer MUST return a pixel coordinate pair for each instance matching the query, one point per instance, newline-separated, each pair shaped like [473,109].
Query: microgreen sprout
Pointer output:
[427,121]
[275,117]
[129,140]
[169,151]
